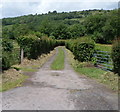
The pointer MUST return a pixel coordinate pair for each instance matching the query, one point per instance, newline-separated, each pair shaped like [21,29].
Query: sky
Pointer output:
[14,8]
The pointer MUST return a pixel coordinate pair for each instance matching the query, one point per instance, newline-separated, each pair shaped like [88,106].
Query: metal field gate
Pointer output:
[103,60]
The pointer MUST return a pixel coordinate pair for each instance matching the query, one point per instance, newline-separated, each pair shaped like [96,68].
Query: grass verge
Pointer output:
[15,76]
[58,63]
[86,68]
[11,79]
[12,84]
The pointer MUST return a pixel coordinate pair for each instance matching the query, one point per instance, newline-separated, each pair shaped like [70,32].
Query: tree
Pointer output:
[20,30]
[76,30]
[45,27]
[61,32]
[111,30]
[7,45]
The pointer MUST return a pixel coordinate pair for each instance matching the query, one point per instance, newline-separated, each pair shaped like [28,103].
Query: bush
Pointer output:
[10,58]
[6,59]
[84,51]
[5,63]
[10,55]
[82,48]
[34,46]
[7,45]
[116,56]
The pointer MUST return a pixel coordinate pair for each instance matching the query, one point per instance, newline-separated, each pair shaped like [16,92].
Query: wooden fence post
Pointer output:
[21,55]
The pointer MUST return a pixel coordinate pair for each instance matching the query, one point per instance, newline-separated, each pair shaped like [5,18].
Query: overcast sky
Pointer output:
[13,8]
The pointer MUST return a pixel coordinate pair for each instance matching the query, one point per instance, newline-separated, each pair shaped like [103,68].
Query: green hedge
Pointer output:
[82,48]
[116,56]
[34,46]
[10,55]
[10,58]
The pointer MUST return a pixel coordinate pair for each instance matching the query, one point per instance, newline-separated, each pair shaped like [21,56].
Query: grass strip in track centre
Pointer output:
[58,63]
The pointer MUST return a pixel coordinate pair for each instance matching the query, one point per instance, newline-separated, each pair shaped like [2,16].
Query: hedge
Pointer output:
[82,48]
[34,46]
[116,56]
[10,58]
[10,55]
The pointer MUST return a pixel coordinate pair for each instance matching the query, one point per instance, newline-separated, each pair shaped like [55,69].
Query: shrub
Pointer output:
[83,51]
[116,56]
[6,60]
[82,48]
[5,63]
[7,45]
[10,58]
[10,55]
[34,46]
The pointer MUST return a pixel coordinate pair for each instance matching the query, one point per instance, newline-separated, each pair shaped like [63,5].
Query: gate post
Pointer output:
[21,55]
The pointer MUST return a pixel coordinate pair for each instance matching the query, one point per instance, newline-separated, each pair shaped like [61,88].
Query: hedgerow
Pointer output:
[34,46]
[116,56]
[10,58]
[7,54]
[82,48]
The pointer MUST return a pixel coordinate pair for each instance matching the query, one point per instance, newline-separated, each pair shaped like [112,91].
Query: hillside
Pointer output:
[101,25]
[34,32]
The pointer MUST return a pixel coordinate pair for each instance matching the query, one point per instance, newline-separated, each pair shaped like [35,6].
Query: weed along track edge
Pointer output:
[58,63]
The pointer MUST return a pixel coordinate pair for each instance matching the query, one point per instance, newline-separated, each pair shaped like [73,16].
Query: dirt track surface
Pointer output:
[59,90]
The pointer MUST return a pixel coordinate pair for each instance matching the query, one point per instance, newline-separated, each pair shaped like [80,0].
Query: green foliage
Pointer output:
[7,45]
[102,25]
[84,51]
[76,30]
[116,56]
[10,58]
[111,30]
[32,31]
[34,46]
[82,48]
[61,32]
[6,61]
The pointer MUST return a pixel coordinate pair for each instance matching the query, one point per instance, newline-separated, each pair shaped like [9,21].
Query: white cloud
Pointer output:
[61,0]
[23,7]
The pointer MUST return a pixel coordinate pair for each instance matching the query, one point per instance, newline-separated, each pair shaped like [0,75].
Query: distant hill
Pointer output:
[101,25]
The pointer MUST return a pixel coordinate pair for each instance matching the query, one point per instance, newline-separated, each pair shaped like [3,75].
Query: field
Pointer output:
[104,47]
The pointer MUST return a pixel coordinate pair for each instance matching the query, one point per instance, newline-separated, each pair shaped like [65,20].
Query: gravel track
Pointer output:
[59,90]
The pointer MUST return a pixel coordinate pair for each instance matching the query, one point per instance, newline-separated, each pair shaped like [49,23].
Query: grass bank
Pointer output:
[58,63]
[11,79]
[86,68]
